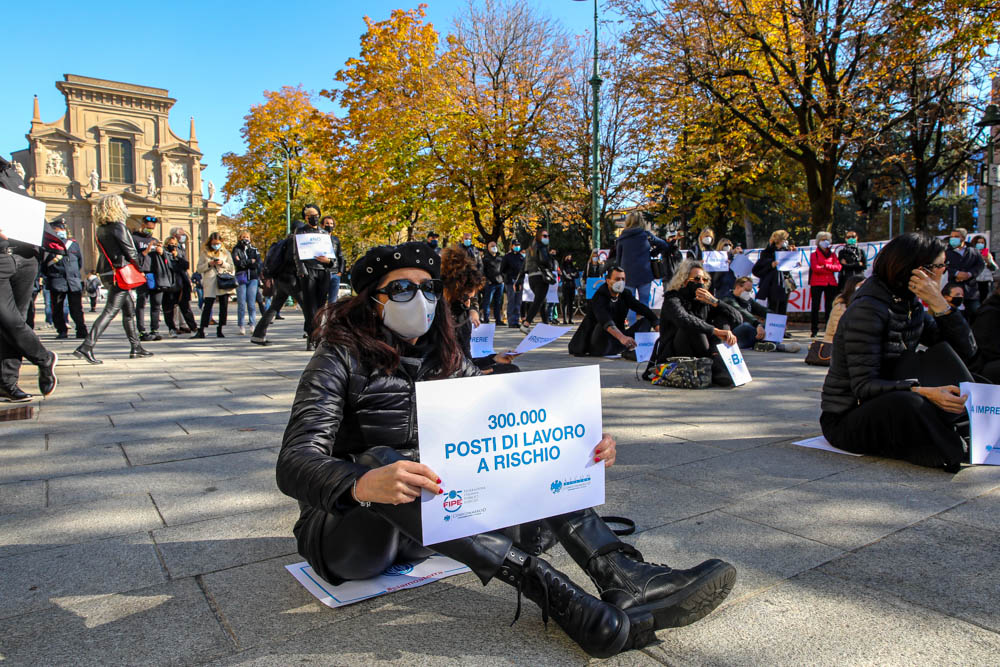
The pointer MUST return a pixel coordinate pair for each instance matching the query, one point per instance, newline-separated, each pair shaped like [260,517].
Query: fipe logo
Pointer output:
[556,486]
[453,501]
[398,570]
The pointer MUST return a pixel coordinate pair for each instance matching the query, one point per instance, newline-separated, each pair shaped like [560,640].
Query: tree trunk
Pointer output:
[748,226]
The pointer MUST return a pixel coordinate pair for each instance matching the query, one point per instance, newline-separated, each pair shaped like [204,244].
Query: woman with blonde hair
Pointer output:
[218,280]
[116,248]
[772,281]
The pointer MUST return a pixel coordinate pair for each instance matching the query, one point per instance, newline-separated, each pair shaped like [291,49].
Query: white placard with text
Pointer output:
[481,344]
[983,407]
[311,246]
[774,327]
[789,260]
[644,345]
[542,334]
[715,260]
[735,363]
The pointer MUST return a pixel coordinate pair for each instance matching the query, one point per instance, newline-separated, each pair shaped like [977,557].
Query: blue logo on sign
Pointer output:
[556,486]
[736,360]
[398,570]
[453,501]
[447,517]
[989,448]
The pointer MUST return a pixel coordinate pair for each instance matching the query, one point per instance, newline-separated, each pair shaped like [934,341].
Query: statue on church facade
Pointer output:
[95,180]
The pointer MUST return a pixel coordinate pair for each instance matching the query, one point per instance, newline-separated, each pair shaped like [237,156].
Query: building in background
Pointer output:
[116,138]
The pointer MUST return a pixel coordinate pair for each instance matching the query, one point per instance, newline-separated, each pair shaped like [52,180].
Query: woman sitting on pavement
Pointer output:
[603,332]
[461,281]
[865,409]
[693,320]
[750,333]
[840,305]
[349,456]
[987,331]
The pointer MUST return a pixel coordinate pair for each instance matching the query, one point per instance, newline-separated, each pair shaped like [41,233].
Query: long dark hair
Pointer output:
[896,262]
[355,324]
[850,287]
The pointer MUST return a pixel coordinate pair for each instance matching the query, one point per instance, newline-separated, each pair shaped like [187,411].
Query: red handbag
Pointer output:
[127,277]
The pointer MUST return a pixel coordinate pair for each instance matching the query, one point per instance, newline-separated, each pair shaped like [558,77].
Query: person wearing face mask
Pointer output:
[867,408]
[215,261]
[823,267]
[694,321]
[313,275]
[181,299]
[116,248]
[472,251]
[493,292]
[985,278]
[568,288]
[160,279]
[634,252]
[595,267]
[964,265]
[62,274]
[852,259]
[512,269]
[750,332]
[772,285]
[337,265]
[246,261]
[704,244]
[604,332]
[723,281]
[432,241]
[538,265]
[350,456]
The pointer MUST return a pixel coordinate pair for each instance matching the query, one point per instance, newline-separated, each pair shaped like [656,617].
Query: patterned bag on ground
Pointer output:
[819,353]
[683,373]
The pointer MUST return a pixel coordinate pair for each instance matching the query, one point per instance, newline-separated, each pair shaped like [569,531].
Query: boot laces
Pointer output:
[633,553]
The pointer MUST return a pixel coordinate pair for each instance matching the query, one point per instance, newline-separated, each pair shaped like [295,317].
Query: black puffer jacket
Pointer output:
[117,243]
[875,330]
[341,409]
[680,312]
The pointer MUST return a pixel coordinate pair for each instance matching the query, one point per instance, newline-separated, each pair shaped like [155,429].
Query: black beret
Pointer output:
[378,261]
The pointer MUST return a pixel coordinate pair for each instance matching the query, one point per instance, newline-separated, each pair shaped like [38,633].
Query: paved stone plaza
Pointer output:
[140,524]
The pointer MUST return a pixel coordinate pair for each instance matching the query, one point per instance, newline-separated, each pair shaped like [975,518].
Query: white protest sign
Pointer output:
[741,266]
[656,294]
[983,407]
[789,260]
[737,366]
[398,577]
[21,217]
[542,334]
[552,296]
[774,327]
[602,255]
[593,284]
[819,442]
[520,448]
[527,294]
[644,345]
[311,246]
[481,343]
[715,260]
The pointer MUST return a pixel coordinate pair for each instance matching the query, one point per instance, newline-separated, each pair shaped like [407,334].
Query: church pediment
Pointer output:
[119,125]
[174,149]
[135,198]
[59,134]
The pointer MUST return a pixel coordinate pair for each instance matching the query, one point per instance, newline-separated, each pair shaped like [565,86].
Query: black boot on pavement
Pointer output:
[199,334]
[14,395]
[87,354]
[47,380]
[218,333]
[674,597]
[138,352]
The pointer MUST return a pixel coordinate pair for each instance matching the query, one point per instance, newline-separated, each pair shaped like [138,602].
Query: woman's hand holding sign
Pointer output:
[607,450]
[396,483]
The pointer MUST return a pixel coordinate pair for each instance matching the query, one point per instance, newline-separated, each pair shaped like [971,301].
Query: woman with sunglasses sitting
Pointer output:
[349,456]
[867,408]
[693,321]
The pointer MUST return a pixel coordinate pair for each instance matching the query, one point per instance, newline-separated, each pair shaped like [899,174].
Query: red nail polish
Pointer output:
[440,491]
[597,459]
[439,481]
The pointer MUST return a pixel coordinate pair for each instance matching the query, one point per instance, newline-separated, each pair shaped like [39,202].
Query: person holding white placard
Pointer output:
[750,332]
[866,407]
[313,274]
[603,331]
[774,284]
[723,281]
[349,456]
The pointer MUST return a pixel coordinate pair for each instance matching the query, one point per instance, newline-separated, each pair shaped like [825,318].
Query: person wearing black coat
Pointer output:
[537,265]
[604,331]
[866,409]
[512,269]
[350,455]
[987,331]
[179,295]
[493,292]
[116,248]
[964,266]
[772,281]
[569,274]
[691,318]
[246,261]
[852,260]
[152,263]
[62,275]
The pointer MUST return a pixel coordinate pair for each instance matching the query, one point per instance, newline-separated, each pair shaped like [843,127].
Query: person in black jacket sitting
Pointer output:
[603,332]
[865,409]
[987,331]
[692,318]
[350,457]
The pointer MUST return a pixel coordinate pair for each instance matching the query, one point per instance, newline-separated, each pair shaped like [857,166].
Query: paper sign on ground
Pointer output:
[741,266]
[520,448]
[592,286]
[481,344]
[542,334]
[21,217]
[735,363]
[311,246]
[819,442]
[774,327]
[715,260]
[788,260]
[983,407]
[398,577]
[644,345]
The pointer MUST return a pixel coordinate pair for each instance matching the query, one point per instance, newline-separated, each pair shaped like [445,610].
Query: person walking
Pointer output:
[246,261]
[337,265]
[116,249]
[539,271]
[773,283]
[512,269]
[568,288]
[634,250]
[216,268]
[62,274]
[823,267]
[313,274]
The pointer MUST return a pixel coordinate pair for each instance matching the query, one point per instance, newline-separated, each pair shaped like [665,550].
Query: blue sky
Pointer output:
[215,58]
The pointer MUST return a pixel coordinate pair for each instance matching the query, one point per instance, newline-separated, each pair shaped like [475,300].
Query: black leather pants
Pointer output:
[17,340]
[118,300]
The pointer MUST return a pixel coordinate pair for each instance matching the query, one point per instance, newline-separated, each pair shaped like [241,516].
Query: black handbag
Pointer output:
[549,275]
[819,354]
[225,281]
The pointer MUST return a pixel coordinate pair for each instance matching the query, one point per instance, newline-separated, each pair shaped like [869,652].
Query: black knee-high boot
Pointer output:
[673,597]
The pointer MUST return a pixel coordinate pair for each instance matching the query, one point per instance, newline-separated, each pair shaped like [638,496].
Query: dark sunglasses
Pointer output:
[404,290]
[933,267]
[703,281]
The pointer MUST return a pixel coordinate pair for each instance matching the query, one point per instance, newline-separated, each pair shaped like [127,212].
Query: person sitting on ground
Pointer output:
[461,281]
[348,456]
[865,409]
[840,305]
[750,333]
[987,331]
[603,332]
[693,319]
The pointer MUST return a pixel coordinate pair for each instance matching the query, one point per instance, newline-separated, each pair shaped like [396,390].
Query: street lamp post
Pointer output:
[595,149]
[990,120]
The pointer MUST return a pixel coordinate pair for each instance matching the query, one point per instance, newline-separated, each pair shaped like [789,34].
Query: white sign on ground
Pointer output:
[542,334]
[399,576]
[311,246]
[520,449]
[774,327]
[735,363]
[21,217]
[481,344]
[983,407]
[645,340]
[819,442]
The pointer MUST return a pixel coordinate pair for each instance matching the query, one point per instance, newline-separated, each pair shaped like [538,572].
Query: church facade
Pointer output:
[115,138]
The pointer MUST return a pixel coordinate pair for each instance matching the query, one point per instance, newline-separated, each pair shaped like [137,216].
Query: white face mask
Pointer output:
[707,241]
[618,286]
[183,239]
[216,246]
[727,248]
[824,244]
[784,244]
[745,295]
[411,319]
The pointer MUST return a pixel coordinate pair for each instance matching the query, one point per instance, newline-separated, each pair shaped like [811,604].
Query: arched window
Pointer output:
[120,161]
